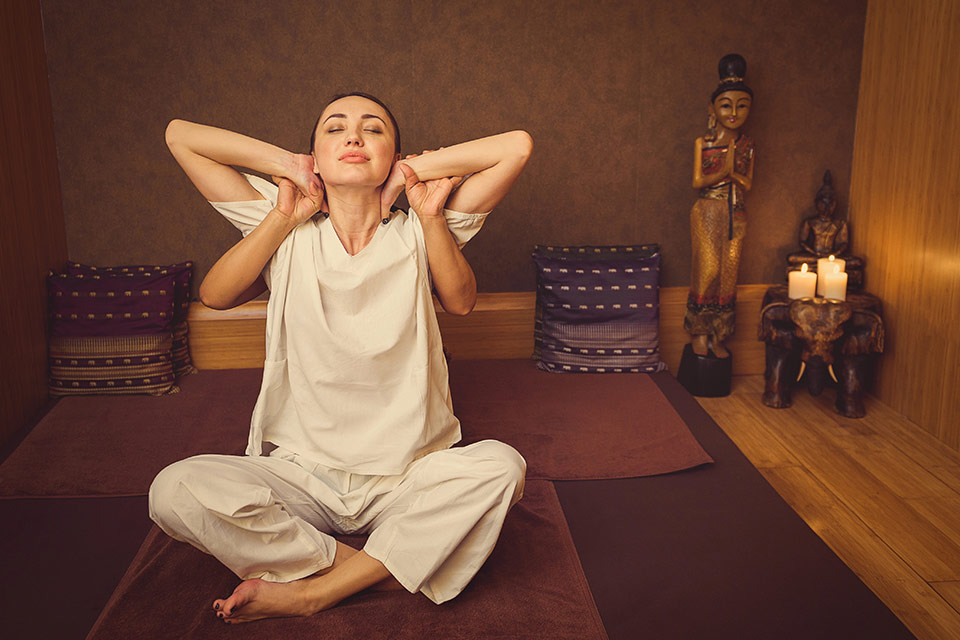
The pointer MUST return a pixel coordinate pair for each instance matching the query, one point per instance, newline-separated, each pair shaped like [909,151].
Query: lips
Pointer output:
[354,156]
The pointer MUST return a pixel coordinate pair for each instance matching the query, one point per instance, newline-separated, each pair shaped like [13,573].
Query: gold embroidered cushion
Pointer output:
[183,274]
[111,334]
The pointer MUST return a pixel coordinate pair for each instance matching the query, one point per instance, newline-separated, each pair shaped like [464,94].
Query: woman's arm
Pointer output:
[207,153]
[235,278]
[492,164]
[453,279]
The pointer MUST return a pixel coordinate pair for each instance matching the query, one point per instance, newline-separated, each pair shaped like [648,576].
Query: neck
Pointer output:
[355,215]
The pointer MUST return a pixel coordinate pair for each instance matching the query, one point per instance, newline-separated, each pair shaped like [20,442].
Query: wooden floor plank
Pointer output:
[950,591]
[922,609]
[821,446]
[880,491]
[903,459]
[747,431]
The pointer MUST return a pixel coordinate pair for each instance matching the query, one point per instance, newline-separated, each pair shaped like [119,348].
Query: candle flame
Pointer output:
[803,268]
[832,258]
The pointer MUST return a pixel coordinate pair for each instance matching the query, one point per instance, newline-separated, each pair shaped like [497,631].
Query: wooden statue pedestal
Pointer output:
[705,376]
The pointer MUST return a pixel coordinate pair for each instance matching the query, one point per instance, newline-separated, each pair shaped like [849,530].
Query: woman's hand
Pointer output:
[427,198]
[293,204]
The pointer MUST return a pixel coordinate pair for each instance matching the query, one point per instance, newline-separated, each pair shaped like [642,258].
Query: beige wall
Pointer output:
[613,92]
[905,203]
[33,239]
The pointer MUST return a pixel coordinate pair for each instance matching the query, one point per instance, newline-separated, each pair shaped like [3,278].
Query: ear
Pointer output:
[316,169]
[396,158]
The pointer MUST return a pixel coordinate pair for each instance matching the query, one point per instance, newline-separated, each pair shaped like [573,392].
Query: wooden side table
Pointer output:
[814,336]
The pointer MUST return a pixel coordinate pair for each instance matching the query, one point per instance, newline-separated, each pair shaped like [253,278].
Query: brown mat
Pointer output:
[566,426]
[115,445]
[68,552]
[531,587]
[573,426]
[713,553]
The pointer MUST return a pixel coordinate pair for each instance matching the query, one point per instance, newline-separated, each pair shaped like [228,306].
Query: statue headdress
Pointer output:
[826,192]
[732,71]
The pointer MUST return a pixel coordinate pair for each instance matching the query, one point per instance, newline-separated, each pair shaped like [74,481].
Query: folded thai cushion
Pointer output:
[598,309]
[111,334]
[183,274]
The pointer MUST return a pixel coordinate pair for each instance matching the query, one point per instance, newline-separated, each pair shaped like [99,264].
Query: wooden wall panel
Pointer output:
[904,201]
[501,326]
[33,238]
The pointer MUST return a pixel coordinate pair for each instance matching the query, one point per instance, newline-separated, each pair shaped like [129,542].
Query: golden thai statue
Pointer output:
[824,235]
[723,172]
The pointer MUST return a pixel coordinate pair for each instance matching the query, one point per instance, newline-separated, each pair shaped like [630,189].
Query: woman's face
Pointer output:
[354,143]
[732,108]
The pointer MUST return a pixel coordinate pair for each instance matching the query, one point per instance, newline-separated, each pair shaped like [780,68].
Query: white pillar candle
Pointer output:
[801,284]
[825,266]
[835,285]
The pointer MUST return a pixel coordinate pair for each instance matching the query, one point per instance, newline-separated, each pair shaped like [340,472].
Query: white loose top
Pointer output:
[354,377]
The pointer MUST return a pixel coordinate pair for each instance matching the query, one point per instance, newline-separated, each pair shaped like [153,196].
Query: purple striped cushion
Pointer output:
[598,309]
[182,274]
[111,334]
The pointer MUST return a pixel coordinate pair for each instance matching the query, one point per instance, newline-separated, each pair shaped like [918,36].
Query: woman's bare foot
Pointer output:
[352,571]
[258,599]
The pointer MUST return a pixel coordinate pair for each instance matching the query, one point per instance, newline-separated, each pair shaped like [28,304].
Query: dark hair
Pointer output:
[360,94]
[732,70]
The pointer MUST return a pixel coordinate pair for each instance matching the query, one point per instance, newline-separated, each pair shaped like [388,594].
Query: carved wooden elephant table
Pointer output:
[817,337]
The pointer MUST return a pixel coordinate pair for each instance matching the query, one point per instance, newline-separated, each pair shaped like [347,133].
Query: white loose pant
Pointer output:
[432,526]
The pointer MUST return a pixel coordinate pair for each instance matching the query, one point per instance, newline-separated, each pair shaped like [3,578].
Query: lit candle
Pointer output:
[802,284]
[835,285]
[825,266]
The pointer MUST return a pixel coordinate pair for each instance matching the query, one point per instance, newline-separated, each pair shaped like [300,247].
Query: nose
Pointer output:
[354,139]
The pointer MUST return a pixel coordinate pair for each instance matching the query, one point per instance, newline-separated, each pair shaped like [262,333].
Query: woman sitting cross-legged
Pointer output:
[355,402]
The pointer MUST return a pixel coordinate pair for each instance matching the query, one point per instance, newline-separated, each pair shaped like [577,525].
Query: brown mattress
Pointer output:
[563,425]
[531,587]
[711,552]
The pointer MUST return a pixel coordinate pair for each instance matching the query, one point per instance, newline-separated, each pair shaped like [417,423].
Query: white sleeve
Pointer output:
[464,226]
[247,214]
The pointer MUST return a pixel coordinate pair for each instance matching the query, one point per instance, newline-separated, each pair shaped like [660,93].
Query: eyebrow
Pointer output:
[365,116]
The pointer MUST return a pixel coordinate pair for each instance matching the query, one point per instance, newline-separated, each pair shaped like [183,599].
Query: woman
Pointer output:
[354,397]
[723,172]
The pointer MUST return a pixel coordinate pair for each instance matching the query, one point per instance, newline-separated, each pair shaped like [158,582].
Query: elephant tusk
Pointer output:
[803,367]
[832,374]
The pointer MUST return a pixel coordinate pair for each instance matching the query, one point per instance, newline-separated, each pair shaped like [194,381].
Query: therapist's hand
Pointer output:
[293,204]
[427,198]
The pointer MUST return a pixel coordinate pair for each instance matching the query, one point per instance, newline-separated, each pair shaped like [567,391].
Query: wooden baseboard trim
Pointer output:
[500,326]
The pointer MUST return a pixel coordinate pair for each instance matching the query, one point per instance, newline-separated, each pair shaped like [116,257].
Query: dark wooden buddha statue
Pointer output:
[824,235]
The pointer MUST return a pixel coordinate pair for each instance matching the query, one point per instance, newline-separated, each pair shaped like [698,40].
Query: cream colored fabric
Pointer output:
[354,377]
[270,517]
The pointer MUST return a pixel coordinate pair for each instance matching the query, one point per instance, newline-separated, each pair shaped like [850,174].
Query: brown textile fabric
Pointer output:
[567,427]
[531,587]
[573,427]
[62,559]
[113,446]
[713,553]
